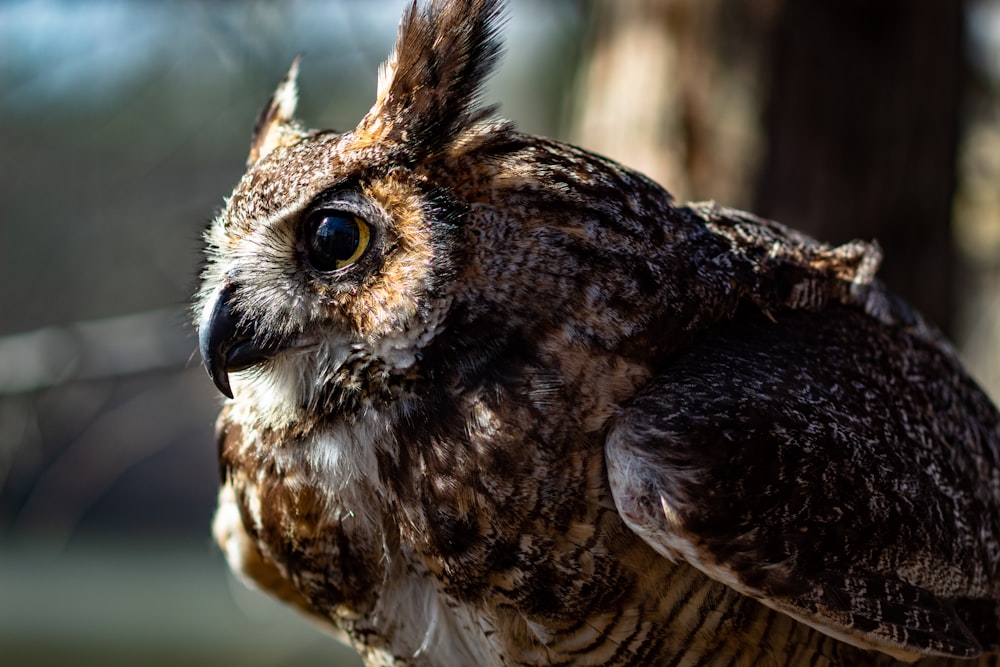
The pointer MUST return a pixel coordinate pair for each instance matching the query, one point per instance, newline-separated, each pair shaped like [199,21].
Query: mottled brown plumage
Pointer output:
[499,401]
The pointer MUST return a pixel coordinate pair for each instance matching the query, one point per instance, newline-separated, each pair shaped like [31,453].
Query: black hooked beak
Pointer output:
[226,343]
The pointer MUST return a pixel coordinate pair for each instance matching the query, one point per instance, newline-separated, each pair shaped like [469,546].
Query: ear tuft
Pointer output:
[276,125]
[429,88]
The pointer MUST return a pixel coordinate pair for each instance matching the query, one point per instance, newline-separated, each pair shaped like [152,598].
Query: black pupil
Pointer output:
[334,239]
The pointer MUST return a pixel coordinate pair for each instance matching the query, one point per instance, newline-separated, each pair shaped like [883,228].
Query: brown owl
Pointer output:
[495,400]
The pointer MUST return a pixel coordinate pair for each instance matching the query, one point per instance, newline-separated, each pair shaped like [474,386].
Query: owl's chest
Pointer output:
[405,542]
[322,535]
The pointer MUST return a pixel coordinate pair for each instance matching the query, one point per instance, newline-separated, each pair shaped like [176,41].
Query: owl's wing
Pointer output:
[839,470]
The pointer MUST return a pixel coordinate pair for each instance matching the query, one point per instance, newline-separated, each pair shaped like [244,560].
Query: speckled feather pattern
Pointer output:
[552,416]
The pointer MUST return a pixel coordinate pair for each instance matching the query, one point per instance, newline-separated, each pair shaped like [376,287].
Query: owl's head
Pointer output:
[342,259]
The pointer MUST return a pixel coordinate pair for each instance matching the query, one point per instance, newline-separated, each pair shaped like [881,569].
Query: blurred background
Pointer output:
[124,124]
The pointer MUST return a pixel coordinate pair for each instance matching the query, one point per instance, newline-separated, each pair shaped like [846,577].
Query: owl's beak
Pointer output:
[228,344]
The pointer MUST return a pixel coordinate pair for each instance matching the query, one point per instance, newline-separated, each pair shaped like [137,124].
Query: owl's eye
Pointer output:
[335,239]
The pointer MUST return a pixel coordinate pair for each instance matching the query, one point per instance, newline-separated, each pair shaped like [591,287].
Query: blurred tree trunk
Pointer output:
[672,88]
[839,117]
[862,127]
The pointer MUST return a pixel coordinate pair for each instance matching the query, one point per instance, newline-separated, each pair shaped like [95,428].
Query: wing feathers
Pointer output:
[803,462]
